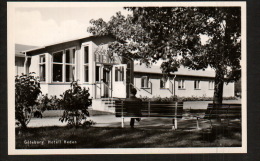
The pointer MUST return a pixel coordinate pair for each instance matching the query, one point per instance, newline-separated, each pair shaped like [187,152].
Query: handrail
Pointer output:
[151,84]
[107,86]
[134,86]
[171,87]
[97,85]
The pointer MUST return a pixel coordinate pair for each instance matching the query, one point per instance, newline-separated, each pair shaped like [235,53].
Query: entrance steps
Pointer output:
[104,104]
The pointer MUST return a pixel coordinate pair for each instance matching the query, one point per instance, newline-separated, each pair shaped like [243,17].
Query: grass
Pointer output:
[108,137]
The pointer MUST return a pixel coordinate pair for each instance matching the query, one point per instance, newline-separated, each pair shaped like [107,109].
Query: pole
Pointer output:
[122,115]
[175,122]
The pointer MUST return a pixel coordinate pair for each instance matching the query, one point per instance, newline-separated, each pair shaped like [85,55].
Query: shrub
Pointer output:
[27,89]
[183,99]
[75,102]
[48,103]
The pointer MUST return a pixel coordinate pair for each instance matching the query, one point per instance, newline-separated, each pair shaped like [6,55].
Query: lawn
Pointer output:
[115,137]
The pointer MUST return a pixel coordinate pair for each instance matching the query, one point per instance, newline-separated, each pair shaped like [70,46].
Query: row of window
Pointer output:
[63,65]
[181,83]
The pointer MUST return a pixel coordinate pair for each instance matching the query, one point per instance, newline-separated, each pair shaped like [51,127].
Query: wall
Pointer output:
[19,65]
[155,90]
[57,88]
[188,91]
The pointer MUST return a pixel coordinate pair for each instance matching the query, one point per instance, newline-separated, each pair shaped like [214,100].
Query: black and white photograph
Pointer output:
[126,78]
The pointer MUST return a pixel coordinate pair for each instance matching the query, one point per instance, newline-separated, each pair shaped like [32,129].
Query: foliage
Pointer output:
[48,103]
[173,34]
[182,99]
[75,102]
[27,89]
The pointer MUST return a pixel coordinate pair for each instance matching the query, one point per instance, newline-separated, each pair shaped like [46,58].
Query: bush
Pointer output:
[75,102]
[182,99]
[48,103]
[27,89]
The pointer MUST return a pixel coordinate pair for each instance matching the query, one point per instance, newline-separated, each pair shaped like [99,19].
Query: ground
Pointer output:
[49,133]
[152,133]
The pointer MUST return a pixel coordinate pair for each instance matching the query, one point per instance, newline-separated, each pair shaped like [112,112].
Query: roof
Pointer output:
[19,48]
[42,47]
[181,71]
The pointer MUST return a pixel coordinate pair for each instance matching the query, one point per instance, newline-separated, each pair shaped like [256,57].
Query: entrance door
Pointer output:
[119,81]
[106,83]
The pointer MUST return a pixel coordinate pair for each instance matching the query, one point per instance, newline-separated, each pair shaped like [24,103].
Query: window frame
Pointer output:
[166,83]
[182,82]
[147,82]
[98,65]
[40,64]
[211,85]
[197,85]
[119,74]
[71,64]
[86,64]
[64,64]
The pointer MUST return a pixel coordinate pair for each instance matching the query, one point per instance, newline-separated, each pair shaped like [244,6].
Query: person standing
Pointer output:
[133,107]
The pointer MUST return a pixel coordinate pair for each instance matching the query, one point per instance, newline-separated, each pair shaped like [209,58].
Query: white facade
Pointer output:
[87,61]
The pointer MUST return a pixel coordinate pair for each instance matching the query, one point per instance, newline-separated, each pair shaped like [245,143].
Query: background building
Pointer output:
[109,75]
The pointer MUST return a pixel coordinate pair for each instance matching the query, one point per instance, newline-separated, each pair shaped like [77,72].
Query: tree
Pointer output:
[27,90]
[174,34]
[75,102]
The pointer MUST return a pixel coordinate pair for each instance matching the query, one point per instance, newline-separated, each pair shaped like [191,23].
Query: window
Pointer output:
[196,84]
[97,73]
[119,74]
[211,84]
[181,84]
[63,66]
[70,65]
[144,82]
[164,83]
[57,73]
[86,61]
[42,68]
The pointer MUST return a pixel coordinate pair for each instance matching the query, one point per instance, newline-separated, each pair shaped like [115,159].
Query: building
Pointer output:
[108,75]
[20,58]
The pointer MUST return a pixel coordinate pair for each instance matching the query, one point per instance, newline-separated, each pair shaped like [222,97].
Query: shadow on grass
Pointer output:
[116,137]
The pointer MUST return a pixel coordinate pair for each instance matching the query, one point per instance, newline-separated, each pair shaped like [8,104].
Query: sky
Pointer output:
[40,26]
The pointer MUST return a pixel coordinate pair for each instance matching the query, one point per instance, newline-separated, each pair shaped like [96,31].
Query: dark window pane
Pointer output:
[122,74]
[97,73]
[57,57]
[162,83]
[86,74]
[86,55]
[42,58]
[70,73]
[144,82]
[116,74]
[42,72]
[70,56]
[57,73]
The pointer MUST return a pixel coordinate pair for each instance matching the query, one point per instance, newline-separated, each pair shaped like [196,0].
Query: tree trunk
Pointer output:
[23,125]
[218,89]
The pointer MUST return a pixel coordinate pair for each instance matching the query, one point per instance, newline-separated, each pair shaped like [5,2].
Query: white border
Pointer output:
[11,6]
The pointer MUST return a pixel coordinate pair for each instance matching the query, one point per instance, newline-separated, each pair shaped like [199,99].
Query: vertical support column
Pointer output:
[198,126]
[175,122]
[122,115]
[48,66]
[149,108]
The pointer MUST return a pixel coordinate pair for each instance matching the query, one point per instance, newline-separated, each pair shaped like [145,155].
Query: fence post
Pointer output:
[149,108]
[198,126]
[122,115]
[175,122]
